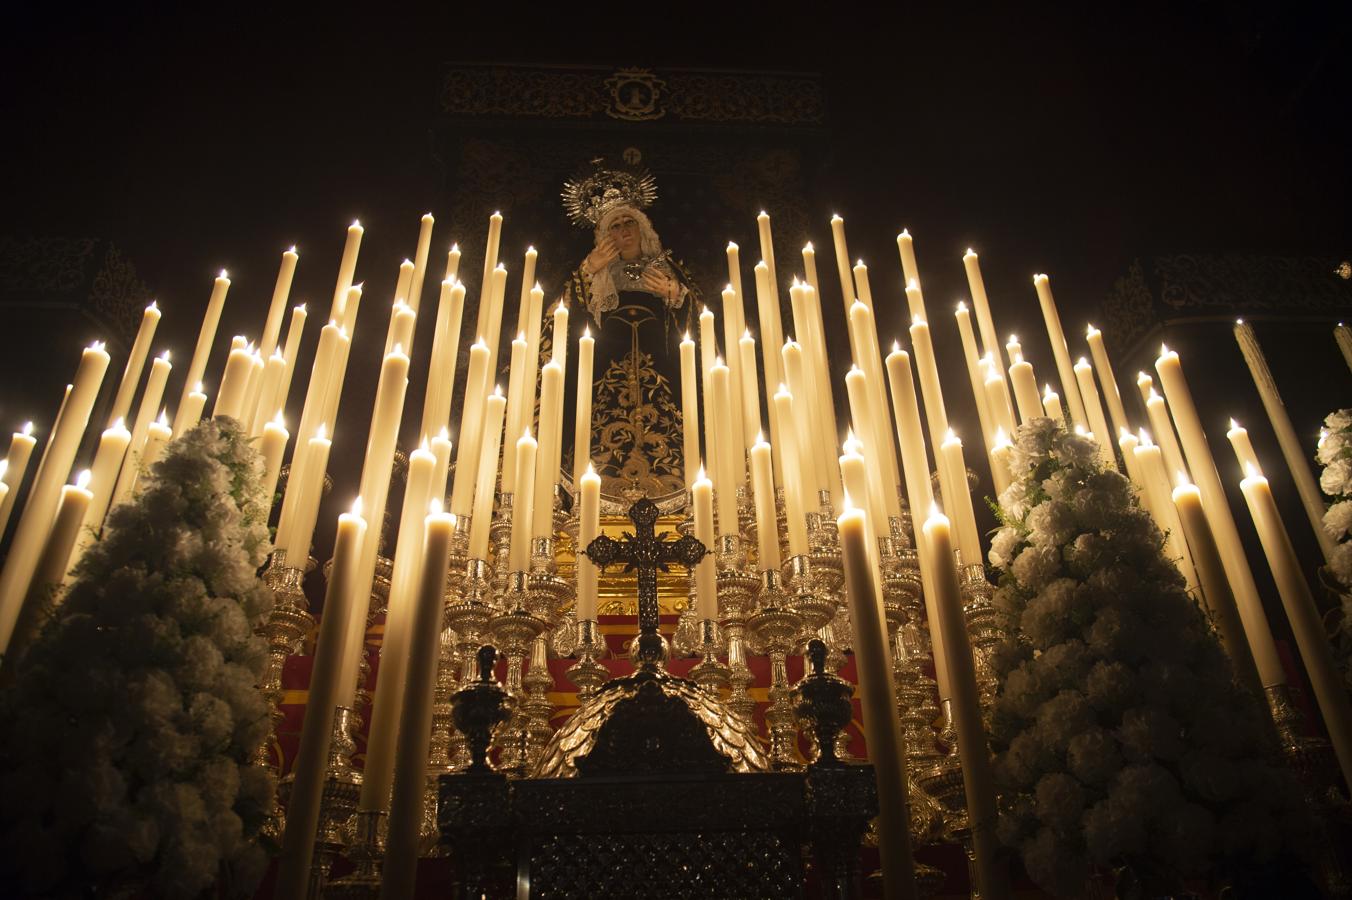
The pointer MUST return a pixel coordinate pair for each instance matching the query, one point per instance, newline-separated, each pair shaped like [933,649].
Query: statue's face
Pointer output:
[624,231]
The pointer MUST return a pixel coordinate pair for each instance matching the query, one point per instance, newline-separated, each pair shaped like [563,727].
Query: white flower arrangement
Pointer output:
[1335,454]
[1120,737]
[125,760]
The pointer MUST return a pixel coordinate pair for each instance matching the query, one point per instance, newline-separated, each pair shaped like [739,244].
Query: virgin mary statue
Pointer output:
[638,302]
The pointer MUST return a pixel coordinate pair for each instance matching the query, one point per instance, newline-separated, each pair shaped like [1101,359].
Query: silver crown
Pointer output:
[588,197]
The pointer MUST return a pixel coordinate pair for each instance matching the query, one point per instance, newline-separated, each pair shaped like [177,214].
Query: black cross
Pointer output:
[645,552]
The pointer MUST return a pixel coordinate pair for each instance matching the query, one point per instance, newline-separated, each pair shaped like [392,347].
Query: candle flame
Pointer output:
[835,217]
[356,223]
[224,275]
[1047,392]
[699,476]
[1040,276]
[763,213]
[525,435]
[357,287]
[795,281]
[686,338]
[1123,434]
[398,350]
[497,390]
[1018,358]
[591,471]
[500,268]
[904,234]
[849,435]
[1164,349]
[279,420]
[783,389]
[165,356]
[497,214]
[746,335]
[760,437]
[98,345]
[586,333]
[962,306]
[119,425]
[1234,426]
[434,507]
[531,249]
[27,428]
[155,305]
[807,248]
[718,361]
[849,504]
[1251,471]
[82,481]
[1182,480]
[896,346]
[913,284]
[356,507]
[322,432]
[1001,439]
[859,264]
[705,311]
[455,246]
[1154,395]
[761,265]
[164,418]
[1079,429]
[1145,438]
[1013,339]
[1143,378]
[1090,331]
[293,249]
[197,388]
[916,320]
[1239,321]
[970,252]
[949,437]
[728,290]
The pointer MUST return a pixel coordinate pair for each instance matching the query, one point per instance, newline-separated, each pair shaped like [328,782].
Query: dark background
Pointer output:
[1069,139]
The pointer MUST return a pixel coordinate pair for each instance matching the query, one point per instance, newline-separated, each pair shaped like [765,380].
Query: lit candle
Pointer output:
[806,470]
[1306,623]
[294,332]
[402,322]
[197,366]
[1343,335]
[854,475]
[471,420]
[882,729]
[252,389]
[795,495]
[708,353]
[1220,602]
[308,770]
[582,433]
[772,338]
[21,445]
[990,343]
[281,292]
[296,540]
[1060,351]
[481,327]
[881,500]
[533,326]
[810,267]
[733,329]
[333,390]
[136,361]
[52,564]
[822,397]
[910,433]
[1159,497]
[815,400]
[1202,469]
[972,359]
[1089,396]
[864,338]
[1025,390]
[751,418]
[976,769]
[735,277]
[1239,439]
[1144,384]
[191,411]
[721,427]
[1297,457]
[145,414]
[516,409]
[1107,380]
[1051,405]
[928,371]
[1163,428]
[378,773]
[157,436]
[690,429]
[234,384]
[482,520]
[767,526]
[523,307]
[589,529]
[402,283]
[273,447]
[560,336]
[1127,443]
[36,521]
[441,449]
[420,260]
[997,397]
[103,477]
[441,368]
[498,285]
[415,722]
[906,250]
[452,263]
[861,284]
[1014,348]
[518,557]
[347,270]
[960,501]
[842,262]
[266,404]
[1001,449]
[547,455]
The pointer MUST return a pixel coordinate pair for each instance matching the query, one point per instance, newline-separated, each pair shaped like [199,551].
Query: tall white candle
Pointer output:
[547,456]
[516,409]
[424,247]
[1093,407]
[197,366]
[690,427]
[518,556]
[887,748]
[36,521]
[281,291]
[347,269]
[1220,602]
[767,525]
[230,397]
[842,264]
[1304,616]
[294,332]
[589,528]
[997,397]
[751,418]
[1107,379]
[272,446]
[928,371]
[267,406]
[1343,335]
[733,329]
[976,768]
[21,445]
[906,250]
[415,720]
[708,353]
[145,414]
[959,501]
[157,436]
[490,262]
[990,343]
[441,449]
[324,369]
[560,337]
[882,501]
[452,263]
[1297,457]
[795,492]
[1001,450]
[471,420]
[1239,439]
[136,360]
[1025,390]
[402,322]
[1160,500]
[806,470]
[52,564]
[864,342]
[296,540]
[728,482]
[103,476]
[910,433]
[1162,426]
[972,358]
[1202,468]
[523,309]
[191,411]
[1060,352]
[482,520]
[441,368]
[302,819]
[772,338]
[822,398]
[582,432]
[1051,405]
